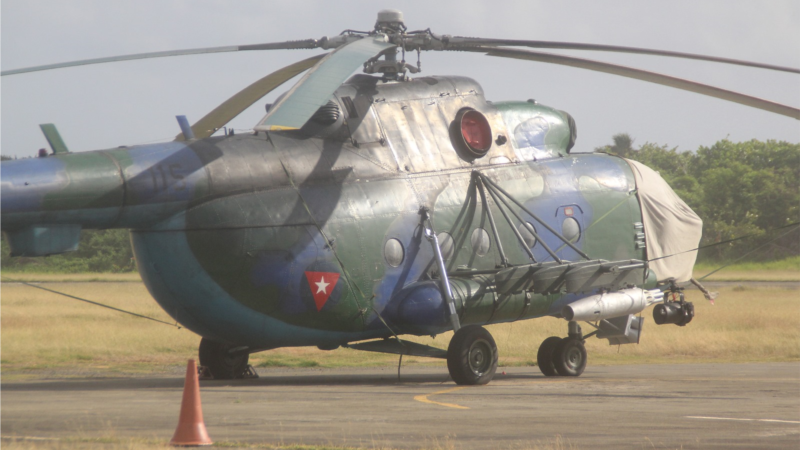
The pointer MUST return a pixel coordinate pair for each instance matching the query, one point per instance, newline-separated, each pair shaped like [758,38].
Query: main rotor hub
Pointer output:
[390,21]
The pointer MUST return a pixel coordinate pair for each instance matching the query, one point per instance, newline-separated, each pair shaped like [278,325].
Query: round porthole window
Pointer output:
[446,244]
[480,242]
[570,229]
[526,230]
[393,252]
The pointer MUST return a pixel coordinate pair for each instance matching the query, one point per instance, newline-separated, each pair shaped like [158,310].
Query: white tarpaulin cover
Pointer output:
[670,226]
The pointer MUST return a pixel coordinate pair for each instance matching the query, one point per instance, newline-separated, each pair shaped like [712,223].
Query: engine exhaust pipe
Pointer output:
[612,304]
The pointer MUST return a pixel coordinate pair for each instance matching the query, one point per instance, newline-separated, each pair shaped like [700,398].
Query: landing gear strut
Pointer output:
[219,360]
[472,356]
[563,356]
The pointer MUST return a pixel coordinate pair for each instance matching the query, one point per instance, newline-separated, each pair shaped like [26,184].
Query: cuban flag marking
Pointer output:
[321,284]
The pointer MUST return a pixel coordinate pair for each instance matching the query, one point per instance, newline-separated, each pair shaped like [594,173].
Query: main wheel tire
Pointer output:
[221,364]
[569,357]
[472,356]
[545,356]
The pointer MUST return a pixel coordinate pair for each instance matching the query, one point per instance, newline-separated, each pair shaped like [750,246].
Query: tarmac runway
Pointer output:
[726,406]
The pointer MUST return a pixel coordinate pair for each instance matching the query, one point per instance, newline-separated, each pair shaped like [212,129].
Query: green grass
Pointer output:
[283,360]
[44,335]
[784,270]
[47,335]
[8,277]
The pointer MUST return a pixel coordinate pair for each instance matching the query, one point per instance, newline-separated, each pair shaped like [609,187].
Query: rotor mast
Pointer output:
[390,23]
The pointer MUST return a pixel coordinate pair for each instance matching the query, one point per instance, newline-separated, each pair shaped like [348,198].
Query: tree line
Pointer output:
[739,189]
[98,251]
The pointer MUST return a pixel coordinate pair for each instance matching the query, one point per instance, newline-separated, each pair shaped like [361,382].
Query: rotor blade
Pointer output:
[459,41]
[243,99]
[288,45]
[319,83]
[643,75]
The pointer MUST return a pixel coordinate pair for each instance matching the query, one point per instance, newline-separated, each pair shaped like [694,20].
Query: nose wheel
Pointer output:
[544,358]
[566,357]
[569,357]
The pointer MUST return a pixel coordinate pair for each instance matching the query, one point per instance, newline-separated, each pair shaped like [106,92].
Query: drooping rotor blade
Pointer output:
[288,45]
[458,41]
[319,83]
[243,99]
[643,75]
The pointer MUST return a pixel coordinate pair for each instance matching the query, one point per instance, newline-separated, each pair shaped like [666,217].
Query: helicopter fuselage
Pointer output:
[314,236]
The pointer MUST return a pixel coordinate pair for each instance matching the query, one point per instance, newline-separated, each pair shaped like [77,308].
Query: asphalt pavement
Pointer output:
[725,406]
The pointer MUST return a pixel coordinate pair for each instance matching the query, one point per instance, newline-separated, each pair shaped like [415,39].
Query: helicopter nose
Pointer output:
[671,230]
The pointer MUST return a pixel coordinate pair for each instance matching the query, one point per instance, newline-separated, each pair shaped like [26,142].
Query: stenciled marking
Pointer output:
[171,177]
[744,420]
[425,399]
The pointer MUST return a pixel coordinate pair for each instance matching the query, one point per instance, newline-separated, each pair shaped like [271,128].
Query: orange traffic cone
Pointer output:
[191,429]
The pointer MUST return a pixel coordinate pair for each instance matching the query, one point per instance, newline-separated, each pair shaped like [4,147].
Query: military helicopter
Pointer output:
[362,208]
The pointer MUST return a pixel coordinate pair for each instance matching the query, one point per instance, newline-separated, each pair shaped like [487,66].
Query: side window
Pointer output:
[570,223]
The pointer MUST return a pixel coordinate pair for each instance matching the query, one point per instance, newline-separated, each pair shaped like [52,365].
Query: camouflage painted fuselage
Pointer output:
[234,236]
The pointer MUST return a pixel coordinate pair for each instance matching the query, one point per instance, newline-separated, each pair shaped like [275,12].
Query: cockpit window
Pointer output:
[529,137]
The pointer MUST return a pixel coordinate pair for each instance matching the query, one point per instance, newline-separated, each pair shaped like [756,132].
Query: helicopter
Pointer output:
[363,208]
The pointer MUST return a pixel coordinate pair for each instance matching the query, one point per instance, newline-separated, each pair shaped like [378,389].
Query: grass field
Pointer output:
[67,277]
[45,334]
[784,270]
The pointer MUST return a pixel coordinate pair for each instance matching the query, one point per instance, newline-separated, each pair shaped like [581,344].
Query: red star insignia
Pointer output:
[321,284]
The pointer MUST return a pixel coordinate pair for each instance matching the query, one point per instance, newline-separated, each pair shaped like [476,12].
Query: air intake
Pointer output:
[327,114]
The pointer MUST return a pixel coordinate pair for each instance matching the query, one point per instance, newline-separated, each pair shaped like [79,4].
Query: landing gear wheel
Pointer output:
[221,364]
[545,356]
[472,356]
[569,357]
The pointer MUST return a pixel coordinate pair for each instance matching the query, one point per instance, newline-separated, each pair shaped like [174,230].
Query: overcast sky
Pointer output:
[127,103]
